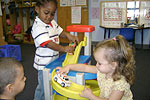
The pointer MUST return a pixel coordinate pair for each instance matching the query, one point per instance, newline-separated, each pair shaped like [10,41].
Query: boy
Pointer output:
[12,79]
[46,33]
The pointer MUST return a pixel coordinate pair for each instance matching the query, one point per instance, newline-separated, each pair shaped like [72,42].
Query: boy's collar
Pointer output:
[39,20]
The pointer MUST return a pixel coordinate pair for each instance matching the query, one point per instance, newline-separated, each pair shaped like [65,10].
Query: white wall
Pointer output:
[98,34]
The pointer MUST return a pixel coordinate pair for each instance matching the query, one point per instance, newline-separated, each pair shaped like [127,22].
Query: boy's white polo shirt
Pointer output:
[41,33]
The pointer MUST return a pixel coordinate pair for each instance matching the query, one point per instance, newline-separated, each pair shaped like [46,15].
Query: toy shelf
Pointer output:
[21,12]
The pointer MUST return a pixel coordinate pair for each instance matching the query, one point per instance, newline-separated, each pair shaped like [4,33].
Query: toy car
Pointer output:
[63,80]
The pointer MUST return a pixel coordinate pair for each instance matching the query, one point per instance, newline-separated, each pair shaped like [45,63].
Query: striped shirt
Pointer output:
[41,33]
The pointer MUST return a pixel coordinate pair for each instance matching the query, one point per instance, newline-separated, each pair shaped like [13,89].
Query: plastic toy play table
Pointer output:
[48,90]
[82,60]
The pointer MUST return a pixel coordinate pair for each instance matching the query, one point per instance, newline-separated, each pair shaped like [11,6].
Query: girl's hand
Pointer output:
[63,70]
[86,93]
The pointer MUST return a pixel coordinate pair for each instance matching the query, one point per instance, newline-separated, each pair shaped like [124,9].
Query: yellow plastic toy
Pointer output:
[74,90]
[73,59]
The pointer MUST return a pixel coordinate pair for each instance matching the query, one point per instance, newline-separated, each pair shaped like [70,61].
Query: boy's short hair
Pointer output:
[8,71]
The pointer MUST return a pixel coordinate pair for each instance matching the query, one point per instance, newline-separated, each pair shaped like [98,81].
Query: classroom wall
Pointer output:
[98,34]
[94,19]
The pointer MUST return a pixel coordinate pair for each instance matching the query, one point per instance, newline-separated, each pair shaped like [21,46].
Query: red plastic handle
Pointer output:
[80,28]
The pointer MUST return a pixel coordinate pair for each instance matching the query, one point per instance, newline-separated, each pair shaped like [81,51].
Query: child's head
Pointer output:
[46,10]
[12,79]
[115,57]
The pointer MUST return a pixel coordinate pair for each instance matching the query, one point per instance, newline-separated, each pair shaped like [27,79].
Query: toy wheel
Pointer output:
[55,79]
[63,84]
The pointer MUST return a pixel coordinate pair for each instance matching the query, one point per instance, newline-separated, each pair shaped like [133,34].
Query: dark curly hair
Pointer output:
[42,2]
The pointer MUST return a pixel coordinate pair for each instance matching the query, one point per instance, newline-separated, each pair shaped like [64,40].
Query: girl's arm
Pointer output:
[115,95]
[83,68]
[78,67]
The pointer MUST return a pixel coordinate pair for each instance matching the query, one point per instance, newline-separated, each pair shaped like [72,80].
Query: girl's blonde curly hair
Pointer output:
[118,50]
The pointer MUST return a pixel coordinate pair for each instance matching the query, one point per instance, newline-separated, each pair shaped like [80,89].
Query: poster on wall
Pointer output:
[113,14]
[145,13]
[71,2]
[80,2]
[76,15]
[95,13]
[63,3]
[95,10]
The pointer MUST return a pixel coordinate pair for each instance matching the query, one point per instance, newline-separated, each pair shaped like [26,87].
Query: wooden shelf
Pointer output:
[27,38]
[22,15]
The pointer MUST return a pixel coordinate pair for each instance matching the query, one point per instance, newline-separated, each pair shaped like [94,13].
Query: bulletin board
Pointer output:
[72,12]
[112,13]
[145,13]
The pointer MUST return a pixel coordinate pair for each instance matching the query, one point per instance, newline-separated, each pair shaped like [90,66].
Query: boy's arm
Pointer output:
[70,37]
[54,46]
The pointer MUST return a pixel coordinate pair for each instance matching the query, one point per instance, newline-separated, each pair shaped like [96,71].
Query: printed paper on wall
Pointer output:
[76,14]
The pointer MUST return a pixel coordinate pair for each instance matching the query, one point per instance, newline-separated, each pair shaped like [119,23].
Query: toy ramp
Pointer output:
[58,97]
[73,59]
[74,90]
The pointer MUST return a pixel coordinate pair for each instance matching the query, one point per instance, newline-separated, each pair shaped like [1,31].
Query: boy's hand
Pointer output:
[70,37]
[69,49]
[73,39]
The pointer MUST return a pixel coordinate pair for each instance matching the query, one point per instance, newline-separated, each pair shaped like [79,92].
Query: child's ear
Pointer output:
[9,88]
[114,65]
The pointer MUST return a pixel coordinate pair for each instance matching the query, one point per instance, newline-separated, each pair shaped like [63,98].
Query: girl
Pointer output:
[114,68]
[46,33]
